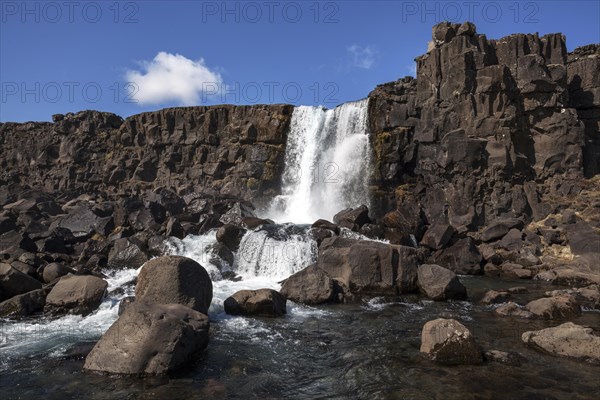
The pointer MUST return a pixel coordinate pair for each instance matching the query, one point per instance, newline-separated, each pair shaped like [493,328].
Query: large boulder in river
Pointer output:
[312,285]
[369,266]
[76,295]
[13,282]
[261,303]
[150,339]
[447,341]
[555,307]
[175,279]
[568,340]
[439,283]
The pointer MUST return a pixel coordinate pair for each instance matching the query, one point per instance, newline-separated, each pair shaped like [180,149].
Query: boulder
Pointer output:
[439,283]
[14,282]
[505,357]
[555,307]
[150,339]
[175,280]
[124,303]
[54,271]
[567,340]
[354,217]
[499,228]
[512,309]
[80,221]
[438,235]
[368,266]
[324,224]
[447,341]
[231,236]
[492,296]
[312,286]
[261,303]
[127,253]
[462,257]
[76,294]
[23,304]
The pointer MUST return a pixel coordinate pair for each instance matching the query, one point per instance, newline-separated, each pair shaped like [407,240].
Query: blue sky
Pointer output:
[58,57]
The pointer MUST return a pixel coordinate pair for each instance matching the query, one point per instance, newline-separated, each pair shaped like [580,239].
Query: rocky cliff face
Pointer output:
[487,127]
[232,150]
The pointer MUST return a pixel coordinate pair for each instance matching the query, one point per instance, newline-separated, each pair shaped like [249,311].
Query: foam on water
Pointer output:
[54,336]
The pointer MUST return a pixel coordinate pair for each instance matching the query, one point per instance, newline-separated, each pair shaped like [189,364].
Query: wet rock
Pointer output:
[492,296]
[231,236]
[512,309]
[124,303]
[463,257]
[556,307]
[23,304]
[254,222]
[174,228]
[54,271]
[14,282]
[569,276]
[439,283]
[505,357]
[368,266]
[447,341]
[261,303]
[150,339]
[76,294]
[175,279]
[157,245]
[311,286]
[127,253]
[567,340]
[324,224]
[353,217]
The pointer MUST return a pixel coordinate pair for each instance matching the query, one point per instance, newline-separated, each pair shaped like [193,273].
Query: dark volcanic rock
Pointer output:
[127,253]
[76,295]
[367,266]
[439,283]
[24,304]
[230,236]
[261,302]
[463,257]
[14,282]
[312,285]
[175,279]
[150,339]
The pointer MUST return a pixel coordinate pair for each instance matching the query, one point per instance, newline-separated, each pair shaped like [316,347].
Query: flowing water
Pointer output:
[326,163]
[365,350]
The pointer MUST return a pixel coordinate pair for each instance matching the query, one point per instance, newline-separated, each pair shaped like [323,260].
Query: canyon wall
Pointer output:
[487,128]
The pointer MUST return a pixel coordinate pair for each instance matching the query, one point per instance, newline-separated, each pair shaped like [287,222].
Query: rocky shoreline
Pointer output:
[485,164]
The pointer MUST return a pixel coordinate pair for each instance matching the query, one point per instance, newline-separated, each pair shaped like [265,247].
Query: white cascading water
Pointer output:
[326,163]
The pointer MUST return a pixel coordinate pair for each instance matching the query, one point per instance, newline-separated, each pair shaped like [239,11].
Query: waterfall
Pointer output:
[326,163]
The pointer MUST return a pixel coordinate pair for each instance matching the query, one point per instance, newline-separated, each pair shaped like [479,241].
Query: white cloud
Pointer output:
[173,77]
[362,57]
